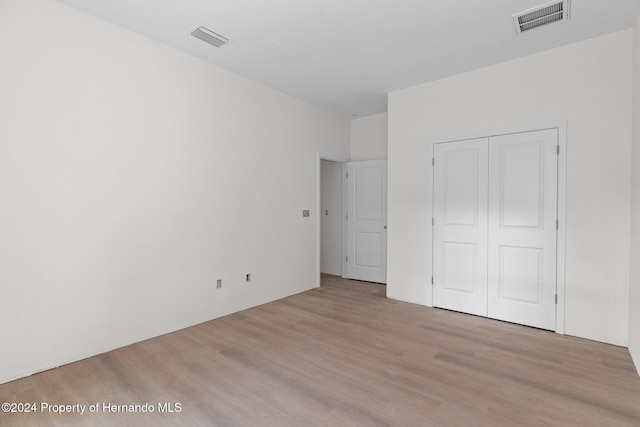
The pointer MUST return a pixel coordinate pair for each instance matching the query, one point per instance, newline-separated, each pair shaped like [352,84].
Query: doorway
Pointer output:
[331,208]
[352,207]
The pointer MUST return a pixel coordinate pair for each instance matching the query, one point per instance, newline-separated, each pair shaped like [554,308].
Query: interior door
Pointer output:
[523,182]
[460,226]
[366,257]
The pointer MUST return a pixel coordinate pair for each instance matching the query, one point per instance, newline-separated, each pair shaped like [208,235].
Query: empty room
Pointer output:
[336,213]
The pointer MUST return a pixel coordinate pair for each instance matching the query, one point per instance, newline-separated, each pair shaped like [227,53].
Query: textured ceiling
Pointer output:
[346,55]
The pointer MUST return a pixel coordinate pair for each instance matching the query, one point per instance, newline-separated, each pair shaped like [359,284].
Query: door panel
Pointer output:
[368,247]
[460,226]
[522,228]
[367,221]
[459,272]
[368,189]
[460,194]
[520,274]
[522,190]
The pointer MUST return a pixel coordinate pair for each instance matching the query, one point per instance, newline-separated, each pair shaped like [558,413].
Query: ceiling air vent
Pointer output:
[542,15]
[209,36]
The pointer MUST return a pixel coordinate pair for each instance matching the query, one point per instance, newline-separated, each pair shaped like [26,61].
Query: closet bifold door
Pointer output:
[522,228]
[460,179]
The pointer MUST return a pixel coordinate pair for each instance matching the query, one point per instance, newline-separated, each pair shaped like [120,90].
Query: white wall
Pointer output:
[589,85]
[369,137]
[132,176]
[634,292]
[331,218]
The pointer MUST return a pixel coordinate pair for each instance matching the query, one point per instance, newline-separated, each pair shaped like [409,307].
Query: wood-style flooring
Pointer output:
[344,355]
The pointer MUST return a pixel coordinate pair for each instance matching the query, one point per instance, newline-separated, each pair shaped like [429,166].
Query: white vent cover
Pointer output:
[544,14]
[209,36]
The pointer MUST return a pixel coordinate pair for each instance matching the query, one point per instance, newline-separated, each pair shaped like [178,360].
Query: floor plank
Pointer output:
[345,355]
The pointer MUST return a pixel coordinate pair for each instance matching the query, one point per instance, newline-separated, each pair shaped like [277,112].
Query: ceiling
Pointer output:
[346,55]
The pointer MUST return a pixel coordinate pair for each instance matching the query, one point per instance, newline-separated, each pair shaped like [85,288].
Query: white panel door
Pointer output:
[367,221]
[523,181]
[460,226]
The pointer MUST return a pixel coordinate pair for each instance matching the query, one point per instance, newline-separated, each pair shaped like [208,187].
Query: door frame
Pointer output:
[561,126]
[319,158]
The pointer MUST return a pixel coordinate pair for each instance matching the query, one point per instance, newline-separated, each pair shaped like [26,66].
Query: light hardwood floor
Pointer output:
[344,355]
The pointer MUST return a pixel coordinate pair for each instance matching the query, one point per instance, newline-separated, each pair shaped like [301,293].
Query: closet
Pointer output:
[495,222]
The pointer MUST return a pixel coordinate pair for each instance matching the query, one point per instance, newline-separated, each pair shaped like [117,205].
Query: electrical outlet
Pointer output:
[248,277]
[219,284]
